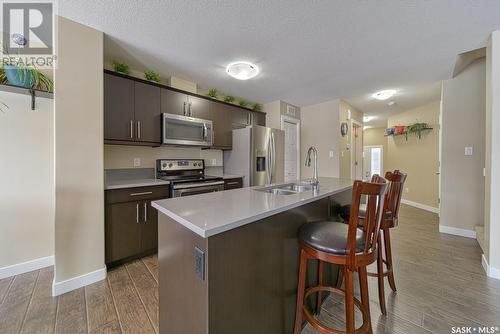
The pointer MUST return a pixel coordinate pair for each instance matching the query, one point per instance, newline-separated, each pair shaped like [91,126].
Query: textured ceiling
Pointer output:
[308,51]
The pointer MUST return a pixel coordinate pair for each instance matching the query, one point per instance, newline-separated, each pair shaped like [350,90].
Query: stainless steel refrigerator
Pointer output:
[258,155]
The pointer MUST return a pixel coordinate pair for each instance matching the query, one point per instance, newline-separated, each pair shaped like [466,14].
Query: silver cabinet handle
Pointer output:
[139,129]
[131,129]
[248,119]
[205,132]
[140,194]
[190,111]
[184,108]
[137,213]
[145,212]
[232,183]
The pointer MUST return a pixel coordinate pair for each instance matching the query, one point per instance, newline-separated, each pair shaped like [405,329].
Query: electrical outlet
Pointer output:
[407,190]
[214,162]
[199,263]
[468,150]
[331,154]
[137,162]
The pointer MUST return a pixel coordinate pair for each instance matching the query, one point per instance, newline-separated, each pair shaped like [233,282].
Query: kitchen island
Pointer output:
[228,261]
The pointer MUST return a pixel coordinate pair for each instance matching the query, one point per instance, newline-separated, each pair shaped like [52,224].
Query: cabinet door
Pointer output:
[149,226]
[173,102]
[118,108]
[198,107]
[123,230]
[240,118]
[222,127]
[147,113]
[258,119]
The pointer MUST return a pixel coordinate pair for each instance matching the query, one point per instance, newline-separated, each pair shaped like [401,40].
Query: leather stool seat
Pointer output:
[329,237]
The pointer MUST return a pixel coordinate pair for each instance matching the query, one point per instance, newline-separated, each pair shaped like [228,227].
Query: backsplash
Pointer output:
[122,156]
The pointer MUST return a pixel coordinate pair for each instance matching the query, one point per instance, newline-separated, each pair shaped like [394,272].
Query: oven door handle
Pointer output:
[197,185]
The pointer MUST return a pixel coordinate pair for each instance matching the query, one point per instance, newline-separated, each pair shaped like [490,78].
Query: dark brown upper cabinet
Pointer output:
[119,119]
[132,111]
[173,102]
[147,113]
[222,124]
[258,119]
[133,108]
[198,107]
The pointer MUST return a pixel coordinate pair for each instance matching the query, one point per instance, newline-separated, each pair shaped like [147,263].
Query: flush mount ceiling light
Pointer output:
[242,70]
[367,119]
[384,94]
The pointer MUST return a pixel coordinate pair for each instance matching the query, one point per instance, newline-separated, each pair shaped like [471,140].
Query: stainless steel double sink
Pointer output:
[287,188]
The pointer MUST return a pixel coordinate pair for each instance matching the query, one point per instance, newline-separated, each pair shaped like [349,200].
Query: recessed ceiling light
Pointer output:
[391,103]
[384,94]
[242,70]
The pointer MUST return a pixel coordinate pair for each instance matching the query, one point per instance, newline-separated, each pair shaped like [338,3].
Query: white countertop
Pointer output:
[214,213]
[119,184]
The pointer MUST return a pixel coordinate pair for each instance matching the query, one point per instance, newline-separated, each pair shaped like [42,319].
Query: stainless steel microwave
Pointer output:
[187,131]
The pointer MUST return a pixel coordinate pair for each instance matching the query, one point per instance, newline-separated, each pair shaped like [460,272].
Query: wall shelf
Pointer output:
[34,93]
[403,134]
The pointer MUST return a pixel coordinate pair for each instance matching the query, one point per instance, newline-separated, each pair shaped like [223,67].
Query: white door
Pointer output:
[373,157]
[291,127]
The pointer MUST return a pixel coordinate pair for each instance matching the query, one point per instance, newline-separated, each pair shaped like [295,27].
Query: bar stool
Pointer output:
[348,246]
[391,210]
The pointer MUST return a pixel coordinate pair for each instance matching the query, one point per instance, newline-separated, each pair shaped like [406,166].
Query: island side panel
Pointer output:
[183,295]
[254,269]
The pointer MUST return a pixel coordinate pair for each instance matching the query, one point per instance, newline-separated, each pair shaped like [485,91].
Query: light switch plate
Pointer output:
[468,150]
[331,154]
[137,162]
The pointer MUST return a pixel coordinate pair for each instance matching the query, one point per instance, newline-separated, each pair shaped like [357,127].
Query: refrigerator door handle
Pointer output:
[273,155]
[268,162]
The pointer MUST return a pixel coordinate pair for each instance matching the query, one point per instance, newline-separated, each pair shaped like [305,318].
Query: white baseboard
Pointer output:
[490,271]
[457,231]
[74,283]
[27,266]
[420,206]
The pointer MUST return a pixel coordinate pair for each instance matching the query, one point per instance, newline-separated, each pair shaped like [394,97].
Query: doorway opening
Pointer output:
[291,127]
[373,161]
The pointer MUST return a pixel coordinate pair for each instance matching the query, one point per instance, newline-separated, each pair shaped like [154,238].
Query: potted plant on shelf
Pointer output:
[121,67]
[152,76]
[243,103]
[416,129]
[213,93]
[229,99]
[257,107]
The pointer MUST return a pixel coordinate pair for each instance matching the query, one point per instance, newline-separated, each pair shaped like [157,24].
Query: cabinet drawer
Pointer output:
[136,194]
[233,183]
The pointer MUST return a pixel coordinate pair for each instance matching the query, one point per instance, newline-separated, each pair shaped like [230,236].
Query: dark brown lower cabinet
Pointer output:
[233,183]
[131,224]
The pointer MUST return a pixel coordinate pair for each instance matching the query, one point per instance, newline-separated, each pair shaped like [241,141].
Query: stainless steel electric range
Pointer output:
[187,177]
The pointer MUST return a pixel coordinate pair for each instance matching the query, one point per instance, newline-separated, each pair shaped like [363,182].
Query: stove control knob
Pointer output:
[170,165]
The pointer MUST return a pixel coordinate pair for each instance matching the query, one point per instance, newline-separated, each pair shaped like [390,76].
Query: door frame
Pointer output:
[382,156]
[295,121]
[353,153]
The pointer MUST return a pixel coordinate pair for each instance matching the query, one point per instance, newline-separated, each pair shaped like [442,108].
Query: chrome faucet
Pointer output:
[312,150]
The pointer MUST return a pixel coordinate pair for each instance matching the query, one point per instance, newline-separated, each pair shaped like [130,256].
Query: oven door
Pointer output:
[184,130]
[188,189]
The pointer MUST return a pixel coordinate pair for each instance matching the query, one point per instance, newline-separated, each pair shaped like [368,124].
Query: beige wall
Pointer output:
[492,193]
[79,217]
[121,156]
[274,111]
[375,137]
[27,179]
[345,143]
[320,128]
[417,157]
[463,125]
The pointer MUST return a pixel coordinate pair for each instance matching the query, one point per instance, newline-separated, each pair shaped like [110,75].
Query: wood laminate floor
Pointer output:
[439,277]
